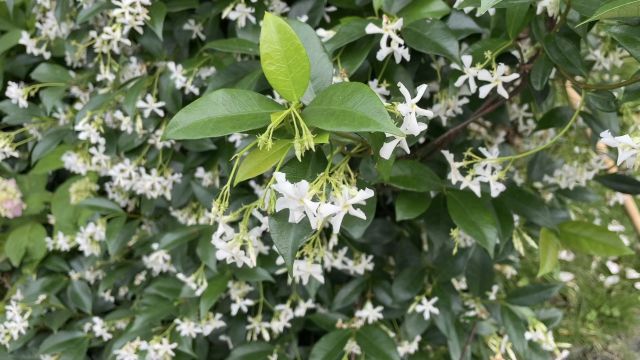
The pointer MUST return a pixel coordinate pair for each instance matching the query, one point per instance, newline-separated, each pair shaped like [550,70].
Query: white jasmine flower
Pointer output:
[295,197]
[410,111]
[495,78]
[240,13]
[470,73]
[390,41]
[380,89]
[304,269]
[369,313]
[628,147]
[552,7]
[187,328]
[16,92]
[342,205]
[149,104]
[195,28]
[426,307]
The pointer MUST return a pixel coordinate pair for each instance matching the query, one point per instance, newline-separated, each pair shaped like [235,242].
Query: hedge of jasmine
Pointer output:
[339,179]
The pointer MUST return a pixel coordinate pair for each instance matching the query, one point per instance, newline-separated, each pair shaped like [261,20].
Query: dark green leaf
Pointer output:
[628,36]
[474,216]
[616,9]
[412,175]
[376,344]
[233,45]
[621,183]
[288,237]
[330,346]
[432,37]
[533,294]
[410,205]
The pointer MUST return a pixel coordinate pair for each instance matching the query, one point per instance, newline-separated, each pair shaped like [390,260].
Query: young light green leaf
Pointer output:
[321,66]
[591,239]
[220,113]
[288,237]
[549,248]
[259,161]
[349,106]
[474,216]
[616,9]
[27,238]
[284,60]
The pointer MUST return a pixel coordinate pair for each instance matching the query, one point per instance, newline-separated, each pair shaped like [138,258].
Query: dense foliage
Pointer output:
[340,179]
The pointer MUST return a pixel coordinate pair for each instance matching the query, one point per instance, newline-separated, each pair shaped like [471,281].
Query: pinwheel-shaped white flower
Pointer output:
[470,73]
[390,41]
[295,197]
[343,204]
[495,79]
[628,149]
[410,110]
[149,105]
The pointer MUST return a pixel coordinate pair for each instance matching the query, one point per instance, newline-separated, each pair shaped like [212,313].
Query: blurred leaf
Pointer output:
[532,294]
[591,239]
[330,346]
[376,344]
[549,248]
[620,183]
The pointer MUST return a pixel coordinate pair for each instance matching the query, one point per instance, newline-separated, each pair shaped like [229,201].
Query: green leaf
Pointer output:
[321,74]
[529,205]
[350,30]
[52,161]
[102,205]
[616,9]
[409,205]
[288,237]
[349,106]
[27,238]
[284,60]
[80,295]
[516,18]
[432,37]
[157,13]
[62,341]
[562,52]
[620,183]
[549,248]
[424,9]
[533,294]
[9,40]
[474,216]
[46,72]
[415,176]
[330,346]
[220,113]
[89,12]
[515,328]
[628,36]
[251,351]
[591,239]
[485,5]
[215,288]
[541,71]
[555,118]
[376,343]
[233,45]
[259,161]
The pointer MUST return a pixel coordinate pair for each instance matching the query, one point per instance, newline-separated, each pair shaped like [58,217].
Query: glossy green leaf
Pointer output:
[410,205]
[349,106]
[555,118]
[321,66]
[9,40]
[432,37]
[591,239]
[330,346]
[376,343]
[79,294]
[349,31]
[549,248]
[562,52]
[628,36]
[533,294]
[412,175]
[259,161]
[288,237]
[157,13]
[284,60]
[474,216]
[516,18]
[233,45]
[424,9]
[220,113]
[251,351]
[63,341]
[620,183]
[616,9]
[49,72]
